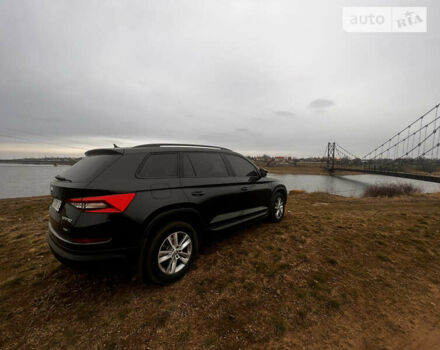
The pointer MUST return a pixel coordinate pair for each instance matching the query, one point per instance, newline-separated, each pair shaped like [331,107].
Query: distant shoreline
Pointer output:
[38,161]
[294,170]
[304,170]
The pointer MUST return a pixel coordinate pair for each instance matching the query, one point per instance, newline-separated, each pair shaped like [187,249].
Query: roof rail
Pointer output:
[180,145]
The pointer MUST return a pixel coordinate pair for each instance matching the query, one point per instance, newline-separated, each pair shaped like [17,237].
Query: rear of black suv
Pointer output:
[155,201]
[83,225]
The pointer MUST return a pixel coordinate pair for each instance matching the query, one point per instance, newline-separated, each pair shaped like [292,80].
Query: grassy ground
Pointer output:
[337,273]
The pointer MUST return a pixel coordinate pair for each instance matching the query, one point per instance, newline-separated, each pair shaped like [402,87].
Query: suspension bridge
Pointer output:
[411,153]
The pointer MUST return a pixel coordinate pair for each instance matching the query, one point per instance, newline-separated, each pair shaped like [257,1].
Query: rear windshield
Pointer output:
[88,167]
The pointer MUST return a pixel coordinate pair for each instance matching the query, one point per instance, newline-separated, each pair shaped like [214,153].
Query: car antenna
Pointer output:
[115,145]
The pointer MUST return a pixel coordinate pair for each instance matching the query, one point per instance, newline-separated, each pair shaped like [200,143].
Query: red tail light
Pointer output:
[115,203]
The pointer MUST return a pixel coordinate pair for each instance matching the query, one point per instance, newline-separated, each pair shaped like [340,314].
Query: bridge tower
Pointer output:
[331,156]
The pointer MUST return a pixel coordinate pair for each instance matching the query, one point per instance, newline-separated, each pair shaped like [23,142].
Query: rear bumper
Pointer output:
[81,255]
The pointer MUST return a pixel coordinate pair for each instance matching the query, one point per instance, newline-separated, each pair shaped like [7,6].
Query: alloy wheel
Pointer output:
[174,252]
[279,208]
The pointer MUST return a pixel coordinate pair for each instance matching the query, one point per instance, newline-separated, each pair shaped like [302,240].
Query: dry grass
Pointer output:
[391,190]
[353,274]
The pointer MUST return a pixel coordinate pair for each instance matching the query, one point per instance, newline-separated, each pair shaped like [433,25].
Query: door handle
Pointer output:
[244,188]
[198,193]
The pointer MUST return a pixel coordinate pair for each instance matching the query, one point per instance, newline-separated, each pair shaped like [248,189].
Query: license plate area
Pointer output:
[56,204]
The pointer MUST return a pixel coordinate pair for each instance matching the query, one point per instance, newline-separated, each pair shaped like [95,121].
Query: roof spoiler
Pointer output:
[102,151]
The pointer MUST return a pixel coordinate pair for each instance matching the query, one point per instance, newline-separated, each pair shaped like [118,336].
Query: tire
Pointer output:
[163,242]
[276,212]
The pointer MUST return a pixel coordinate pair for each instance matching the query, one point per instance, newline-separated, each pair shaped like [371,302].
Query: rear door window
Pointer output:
[207,164]
[240,166]
[160,165]
[88,167]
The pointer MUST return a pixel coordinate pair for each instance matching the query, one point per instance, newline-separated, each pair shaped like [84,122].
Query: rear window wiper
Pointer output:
[62,178]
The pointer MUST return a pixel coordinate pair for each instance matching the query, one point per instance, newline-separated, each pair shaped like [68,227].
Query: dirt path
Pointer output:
[337,273]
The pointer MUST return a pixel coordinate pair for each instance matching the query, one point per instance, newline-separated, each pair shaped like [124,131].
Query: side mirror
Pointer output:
[263,172]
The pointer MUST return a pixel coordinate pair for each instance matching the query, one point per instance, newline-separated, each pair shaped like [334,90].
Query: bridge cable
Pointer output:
[389,140]
[347,152]
[433,139]
[404,139]
[419,144]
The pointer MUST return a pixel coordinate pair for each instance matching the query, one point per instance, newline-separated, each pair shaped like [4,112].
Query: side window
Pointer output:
[207,164]
[188,170]
[160,165]
[241,167]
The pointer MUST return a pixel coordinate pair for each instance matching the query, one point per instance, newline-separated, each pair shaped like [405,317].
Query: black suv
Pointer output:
[155,201]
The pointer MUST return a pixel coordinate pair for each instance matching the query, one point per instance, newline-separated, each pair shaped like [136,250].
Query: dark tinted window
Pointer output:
[241,167]
[188,170]
[160,165]
[88,167]
[208,164]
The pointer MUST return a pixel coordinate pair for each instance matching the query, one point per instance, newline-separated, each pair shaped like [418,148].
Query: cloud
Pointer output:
[259,119]
[321,103]
[284,114]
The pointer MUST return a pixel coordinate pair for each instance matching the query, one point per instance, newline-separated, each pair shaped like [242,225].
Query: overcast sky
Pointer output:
[277,77]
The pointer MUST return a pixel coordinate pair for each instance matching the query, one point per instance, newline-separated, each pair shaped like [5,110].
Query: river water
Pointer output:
[17,180]
[347,185]
[23,180]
